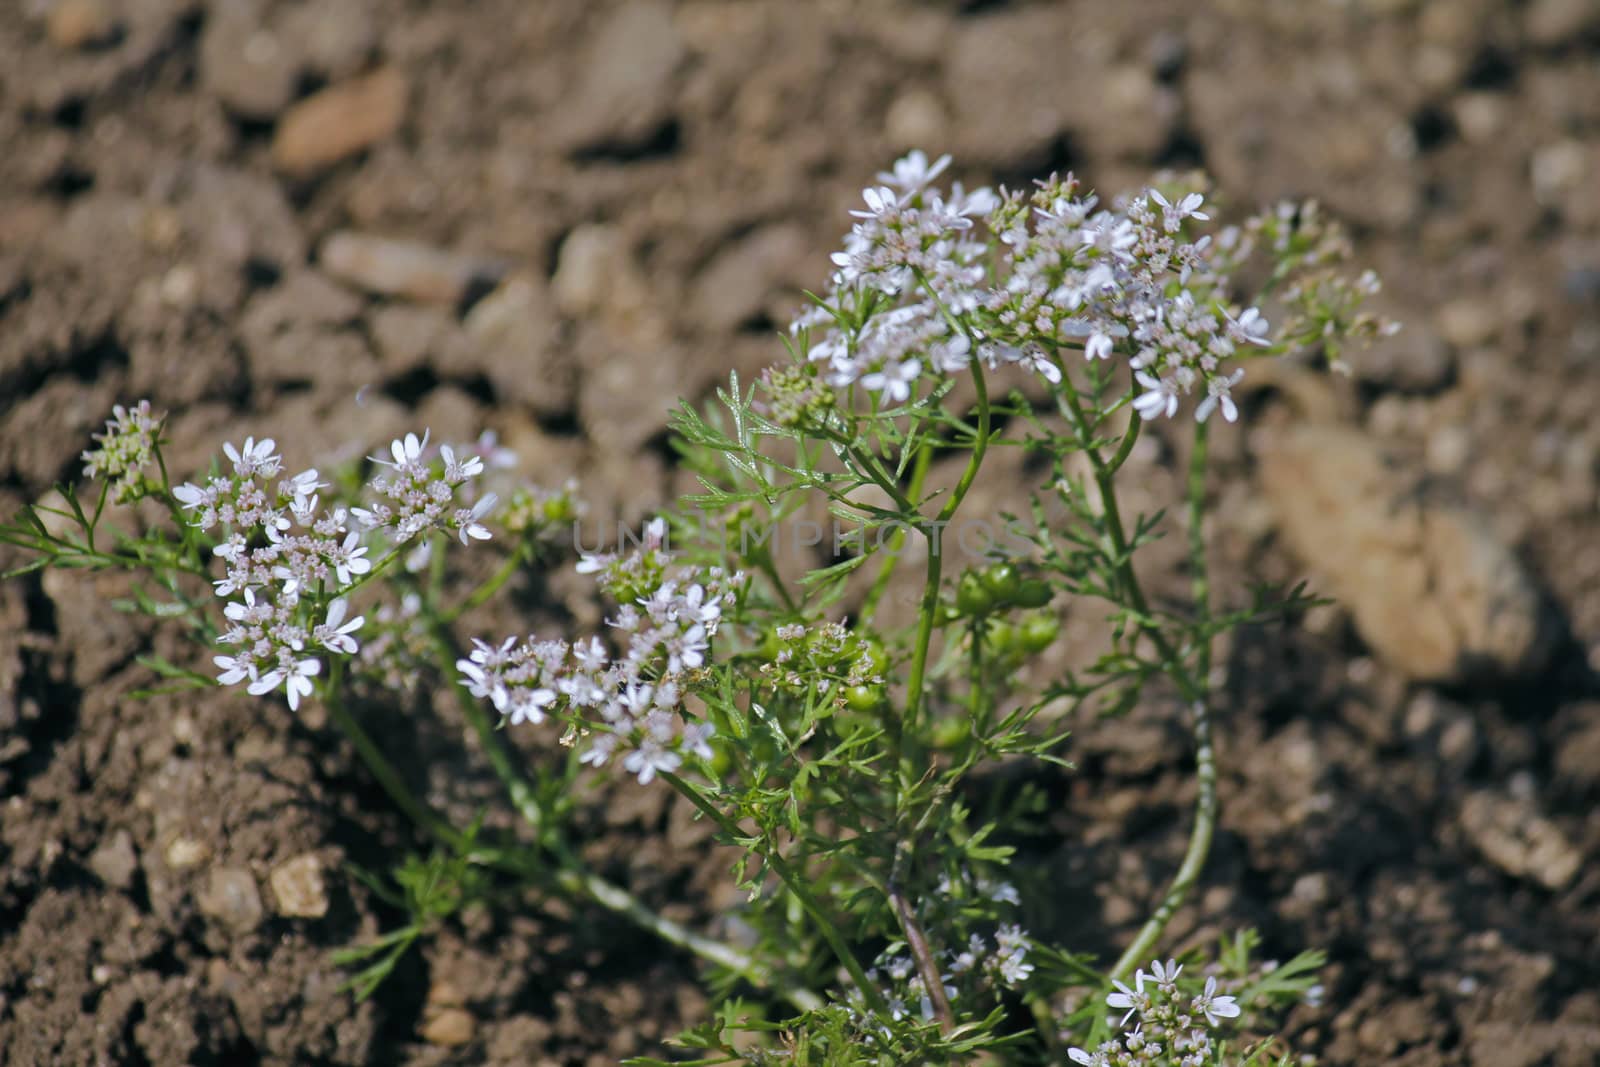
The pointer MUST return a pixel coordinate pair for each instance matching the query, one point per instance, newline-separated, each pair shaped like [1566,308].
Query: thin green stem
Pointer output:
[1193,689]
[919,475]
[796,885]
[575,880]
[490,585]
[1194,857]
[929,608]
[570,874]
[1200,580]
[381,769]
[519,789]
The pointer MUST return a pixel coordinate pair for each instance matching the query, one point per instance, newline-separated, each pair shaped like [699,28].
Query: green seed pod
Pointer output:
[1002,582]
[972,595]
[1033,593]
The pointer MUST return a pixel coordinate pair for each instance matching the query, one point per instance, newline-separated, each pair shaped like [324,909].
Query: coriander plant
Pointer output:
[847,755]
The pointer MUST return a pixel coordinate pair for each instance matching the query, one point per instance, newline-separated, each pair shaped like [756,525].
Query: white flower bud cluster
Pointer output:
[1059,272]
[628,704]
[126,448]
[1172,1028]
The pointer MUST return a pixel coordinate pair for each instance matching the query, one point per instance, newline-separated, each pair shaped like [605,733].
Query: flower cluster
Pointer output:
[843,658]
[280,547]
[534,512]
[416,497]
[1173,1028]
[126,448]
[916,292]
[629,704]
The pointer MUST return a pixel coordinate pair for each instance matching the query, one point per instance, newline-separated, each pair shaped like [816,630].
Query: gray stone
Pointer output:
[231,898]
[115,862]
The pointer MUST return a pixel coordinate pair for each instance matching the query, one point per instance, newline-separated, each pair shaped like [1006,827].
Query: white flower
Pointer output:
[894,380]
[235,669]
[189,495]
[1214,1006]
[1173,215]
[1099,346]
[879,202]
[695,739]
[405,450]
[1160,397]
[1218,392]
[255,456]
[296,681]
[1165,973]
[649,759]
[951,354]
[1044,366]
[687,650]
[1250,327]
[591,656]
[1088,1059]
[527,705]
[459,471]
[1131,999]
[334,636]
[912,171]
[300,487]
[473,530]
[599,750]
[348,559]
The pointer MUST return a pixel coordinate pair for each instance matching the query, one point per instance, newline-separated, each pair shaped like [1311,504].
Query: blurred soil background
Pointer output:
[329,222]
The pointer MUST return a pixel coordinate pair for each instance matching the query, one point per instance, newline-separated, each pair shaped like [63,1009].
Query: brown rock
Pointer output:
[735,287]
[115,862]
[448,1027]
[516,345]
[1559,22]
[1514,835]
[336,39]
[339,122]
[408,336]
[75,24]
[407,269]
[623,97]
[1429,587]
[246,64]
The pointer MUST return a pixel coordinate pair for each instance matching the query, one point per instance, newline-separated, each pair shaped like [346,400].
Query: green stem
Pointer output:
[521,791]
[1200,580]
[919,475]
[578,882]
[929,609]
[1194,857]
[796,885]
[490,586]
[381,769]
[570,875]
[1194,690]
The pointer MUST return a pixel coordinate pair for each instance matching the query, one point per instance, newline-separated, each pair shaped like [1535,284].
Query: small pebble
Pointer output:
[230,896]
[115,862]
[339,121]
[299,888]
[185,852]
[448,1027]
[407,269]
[79,24]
